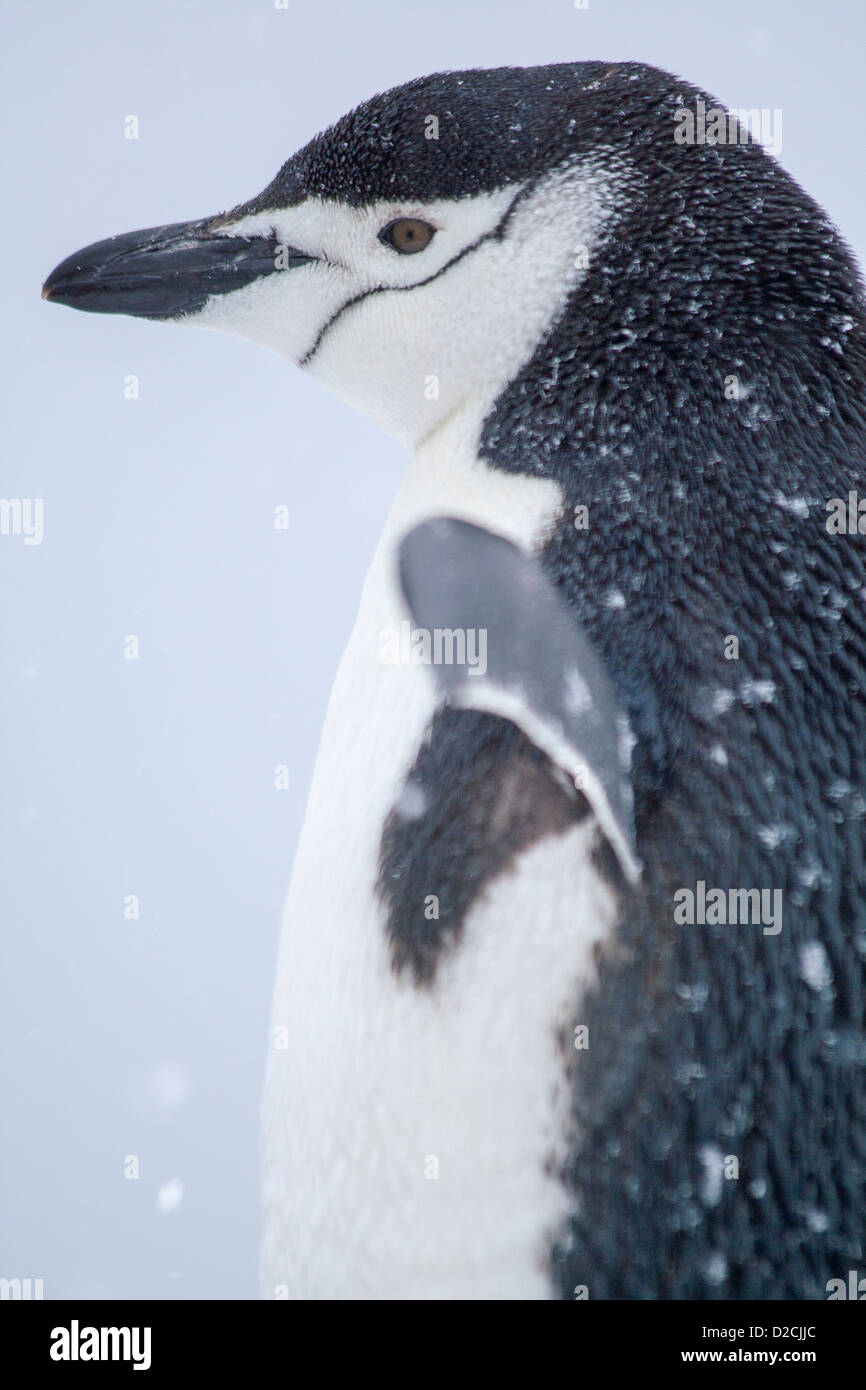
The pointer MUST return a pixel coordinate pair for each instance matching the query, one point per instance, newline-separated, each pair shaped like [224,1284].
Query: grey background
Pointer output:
[155,777]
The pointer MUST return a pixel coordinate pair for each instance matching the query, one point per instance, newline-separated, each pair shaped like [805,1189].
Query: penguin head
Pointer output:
[409,257]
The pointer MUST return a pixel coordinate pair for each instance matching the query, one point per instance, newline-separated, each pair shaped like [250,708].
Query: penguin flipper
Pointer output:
[531,662]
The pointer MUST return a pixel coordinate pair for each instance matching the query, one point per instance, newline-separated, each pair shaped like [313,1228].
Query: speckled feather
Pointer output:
[496,126]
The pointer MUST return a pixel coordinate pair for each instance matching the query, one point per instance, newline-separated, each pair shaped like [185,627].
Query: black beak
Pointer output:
[162,272]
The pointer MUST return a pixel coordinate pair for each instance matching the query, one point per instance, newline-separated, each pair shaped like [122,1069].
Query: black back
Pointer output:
[709,515]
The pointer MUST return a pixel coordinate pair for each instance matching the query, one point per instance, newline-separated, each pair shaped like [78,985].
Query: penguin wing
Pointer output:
[525,657]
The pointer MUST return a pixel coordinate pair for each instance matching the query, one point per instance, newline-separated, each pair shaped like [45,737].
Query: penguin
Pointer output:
[571,980]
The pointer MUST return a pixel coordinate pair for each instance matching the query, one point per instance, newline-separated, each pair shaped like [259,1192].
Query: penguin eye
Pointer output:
[407,235]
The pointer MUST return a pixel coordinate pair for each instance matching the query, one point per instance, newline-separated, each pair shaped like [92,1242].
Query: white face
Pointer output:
[408,337]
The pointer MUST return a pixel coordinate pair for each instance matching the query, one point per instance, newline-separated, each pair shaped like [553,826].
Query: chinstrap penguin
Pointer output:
[631,373]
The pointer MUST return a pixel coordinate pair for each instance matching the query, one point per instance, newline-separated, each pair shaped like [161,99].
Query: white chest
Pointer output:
[408,1132]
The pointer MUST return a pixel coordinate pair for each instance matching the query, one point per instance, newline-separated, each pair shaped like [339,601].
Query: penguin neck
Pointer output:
[448,476]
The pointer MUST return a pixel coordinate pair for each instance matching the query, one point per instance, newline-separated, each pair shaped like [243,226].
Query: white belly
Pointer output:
[408,1133]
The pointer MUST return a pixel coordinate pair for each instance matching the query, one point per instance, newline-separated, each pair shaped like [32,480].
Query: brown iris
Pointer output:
[407,235]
